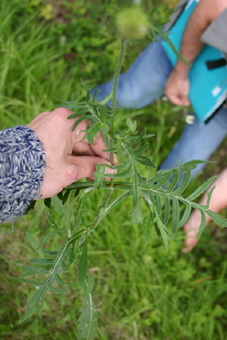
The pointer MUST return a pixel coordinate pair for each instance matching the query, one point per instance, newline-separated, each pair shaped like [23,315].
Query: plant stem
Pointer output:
[115,83]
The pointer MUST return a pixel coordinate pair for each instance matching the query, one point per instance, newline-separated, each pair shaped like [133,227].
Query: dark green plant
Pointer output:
[158,202]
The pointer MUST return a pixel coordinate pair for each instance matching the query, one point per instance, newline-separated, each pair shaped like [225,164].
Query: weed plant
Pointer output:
[145,293]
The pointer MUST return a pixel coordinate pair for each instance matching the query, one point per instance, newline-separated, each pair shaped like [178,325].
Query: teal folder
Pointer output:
[208,88]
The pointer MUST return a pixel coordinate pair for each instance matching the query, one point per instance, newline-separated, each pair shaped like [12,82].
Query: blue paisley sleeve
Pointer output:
[22,166]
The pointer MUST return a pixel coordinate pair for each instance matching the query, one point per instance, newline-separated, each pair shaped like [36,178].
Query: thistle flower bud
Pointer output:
[132,23]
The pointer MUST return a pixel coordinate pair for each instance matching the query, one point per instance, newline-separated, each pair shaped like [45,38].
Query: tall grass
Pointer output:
[144,292]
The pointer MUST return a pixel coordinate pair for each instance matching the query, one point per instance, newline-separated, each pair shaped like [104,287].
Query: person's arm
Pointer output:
[38,160]
[217,203]
[206,11]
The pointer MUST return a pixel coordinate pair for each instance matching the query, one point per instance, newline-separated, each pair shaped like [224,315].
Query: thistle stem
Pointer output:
[115,83]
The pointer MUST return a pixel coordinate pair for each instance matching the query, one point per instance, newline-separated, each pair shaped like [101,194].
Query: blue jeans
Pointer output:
[143,83]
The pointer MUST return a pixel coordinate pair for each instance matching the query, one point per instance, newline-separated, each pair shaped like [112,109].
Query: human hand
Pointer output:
[68,158]
[177,88]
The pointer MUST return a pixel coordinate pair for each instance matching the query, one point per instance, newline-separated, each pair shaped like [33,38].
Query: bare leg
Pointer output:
[217,203]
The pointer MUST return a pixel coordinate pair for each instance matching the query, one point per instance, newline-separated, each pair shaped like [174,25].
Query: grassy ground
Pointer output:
[144,293]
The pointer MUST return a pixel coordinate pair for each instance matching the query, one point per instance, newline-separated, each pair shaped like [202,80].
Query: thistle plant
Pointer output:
[158,203]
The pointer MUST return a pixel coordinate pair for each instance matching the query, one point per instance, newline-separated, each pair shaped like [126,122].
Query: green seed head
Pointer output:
[132,23]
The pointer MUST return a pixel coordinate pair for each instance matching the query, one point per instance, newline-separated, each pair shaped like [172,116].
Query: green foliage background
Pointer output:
[46,47]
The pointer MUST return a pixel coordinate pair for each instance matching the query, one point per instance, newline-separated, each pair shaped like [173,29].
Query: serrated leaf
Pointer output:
[174,181]
[58,279]
[209,197]
[175,214]
[32,270]
[50,252]
[100,171]
[49,236]
[56,290]
[104,101]
[88,320]
[201,188]
[31,282]
[77,114]
[148,226]
[185,216]
[83,266]
[43,262]
[89,284]
[184,184]
[158,204]
[202,223]
[163,180]
[32,304]
[116,201]
[79,120]
[218,219]
[58,205]
[166,210]
[144,161]
[162,229]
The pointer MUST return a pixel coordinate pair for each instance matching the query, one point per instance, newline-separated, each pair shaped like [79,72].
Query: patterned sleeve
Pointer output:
[22,168]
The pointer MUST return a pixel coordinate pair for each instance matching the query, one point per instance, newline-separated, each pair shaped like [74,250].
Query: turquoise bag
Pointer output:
[208,75]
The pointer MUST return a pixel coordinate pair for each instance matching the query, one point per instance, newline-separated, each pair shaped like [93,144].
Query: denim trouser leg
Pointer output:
[144,82]
[198,141]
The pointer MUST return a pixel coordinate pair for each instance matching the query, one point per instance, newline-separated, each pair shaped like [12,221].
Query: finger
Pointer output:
[82,149]
[98,146]
[84,166]
[176,100]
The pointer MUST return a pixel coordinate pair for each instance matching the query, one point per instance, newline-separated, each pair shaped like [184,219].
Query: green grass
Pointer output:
[142,291]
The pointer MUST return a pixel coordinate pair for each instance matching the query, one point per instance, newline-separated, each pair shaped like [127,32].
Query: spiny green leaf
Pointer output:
[202,223]
[163,180]
[116,201]
[174,181]
[56,290]
[104,101]
[88,320]
[57,204]
[166,210]
[32,305]
[79,120]
[144,160]
[162,229]
[58,279]
[185,216]
[165,36]
[83,266]
[148,226]
[220,220]
[209,197]
[131,125]
[89,284]
[158,204]
[77,114]
[42,262]
[184,184]
[201,188]
[49,236]
[100,171]
[50,252]
[175,214]
[31,282]
[32,270]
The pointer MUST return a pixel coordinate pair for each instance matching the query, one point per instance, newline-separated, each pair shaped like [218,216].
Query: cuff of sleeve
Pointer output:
[22,166]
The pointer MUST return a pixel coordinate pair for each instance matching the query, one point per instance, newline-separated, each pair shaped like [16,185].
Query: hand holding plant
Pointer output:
[69,156]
